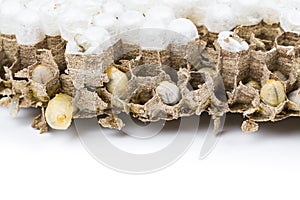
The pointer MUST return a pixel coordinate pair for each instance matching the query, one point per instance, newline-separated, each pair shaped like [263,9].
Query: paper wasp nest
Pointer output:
[253,70]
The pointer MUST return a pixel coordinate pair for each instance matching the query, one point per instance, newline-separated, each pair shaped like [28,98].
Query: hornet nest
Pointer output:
[257,66]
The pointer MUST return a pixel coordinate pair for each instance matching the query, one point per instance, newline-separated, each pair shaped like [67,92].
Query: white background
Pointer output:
[265,165]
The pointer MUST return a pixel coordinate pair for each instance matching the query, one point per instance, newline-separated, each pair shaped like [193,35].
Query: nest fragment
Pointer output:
[199,69]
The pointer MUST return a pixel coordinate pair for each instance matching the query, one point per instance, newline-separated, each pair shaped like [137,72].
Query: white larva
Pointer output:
[295,96]
[29,29]
[228,41]
[186,29]
[42,74]
[168,92]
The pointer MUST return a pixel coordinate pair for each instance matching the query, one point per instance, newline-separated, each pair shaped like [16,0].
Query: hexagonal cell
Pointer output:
[147,70]
[142,95]
[282,67]
[262,35]
[207,37]
[159,57]
[289,39]
[144,80]
[132,55]
[242,99]
[9,46]
[254,68]
[196,80]
[234,67]
[51,42]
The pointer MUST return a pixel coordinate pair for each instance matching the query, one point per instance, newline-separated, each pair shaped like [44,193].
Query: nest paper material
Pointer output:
[257,82]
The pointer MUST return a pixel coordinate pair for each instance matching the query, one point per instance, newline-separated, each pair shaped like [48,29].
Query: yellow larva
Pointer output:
[59,112]
[273,93]
[117,81]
